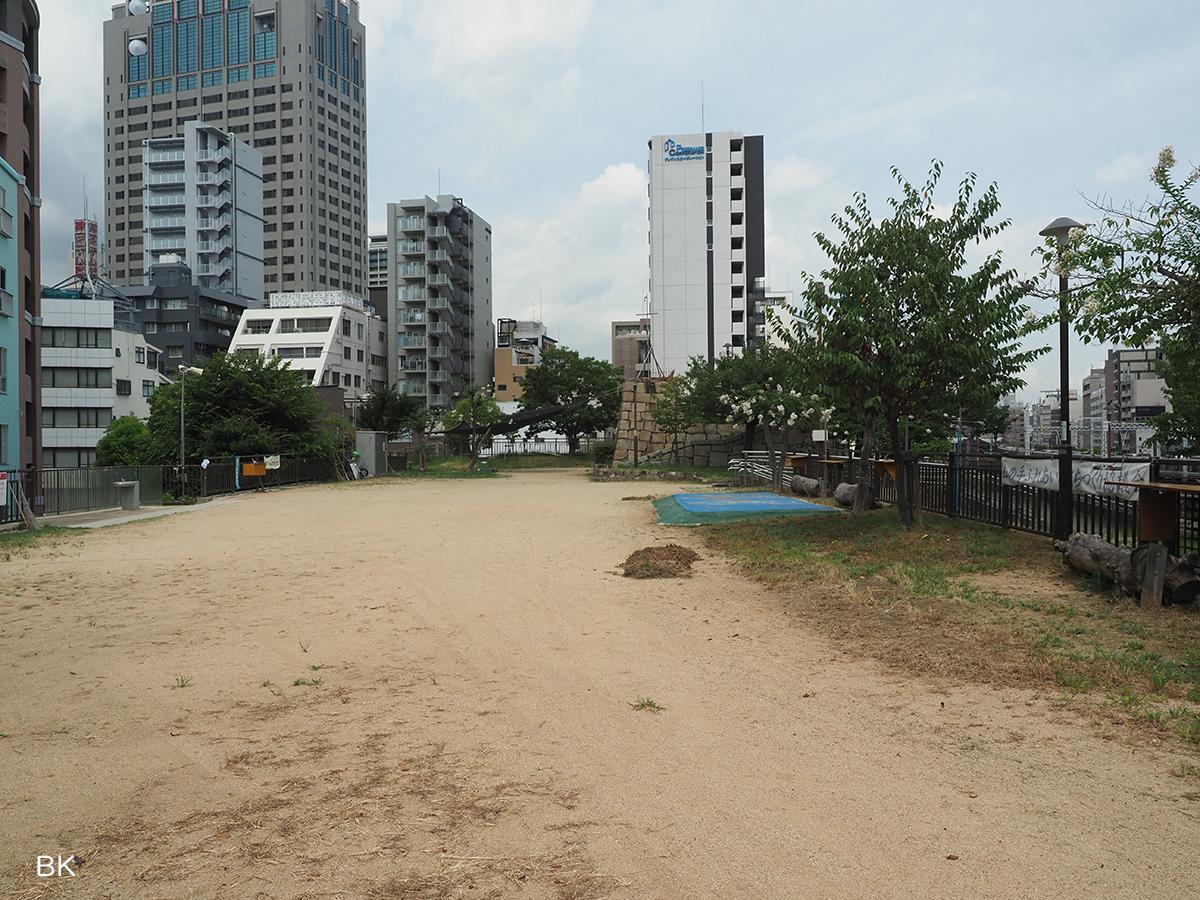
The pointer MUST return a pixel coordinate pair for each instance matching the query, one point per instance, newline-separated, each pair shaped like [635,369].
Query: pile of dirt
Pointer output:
[665,561]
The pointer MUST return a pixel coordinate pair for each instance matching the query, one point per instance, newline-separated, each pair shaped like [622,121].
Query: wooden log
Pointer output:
[1129,569]
[1154,575]
[806,487]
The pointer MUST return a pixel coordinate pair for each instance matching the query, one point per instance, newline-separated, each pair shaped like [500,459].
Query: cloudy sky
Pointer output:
[537,113]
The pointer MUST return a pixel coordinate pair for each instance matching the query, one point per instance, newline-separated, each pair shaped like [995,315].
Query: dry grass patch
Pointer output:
[666,561]
[970,602]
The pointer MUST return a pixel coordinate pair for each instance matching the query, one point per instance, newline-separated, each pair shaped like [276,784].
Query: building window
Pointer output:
[147,388]
[124,387]
[185,47]
[239,38]
[175,352]
[239,74]
[162,38]
[3,371]
[186,83]
[264,70]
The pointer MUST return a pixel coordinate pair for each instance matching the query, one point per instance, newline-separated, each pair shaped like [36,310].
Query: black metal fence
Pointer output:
[971,487]
[53,492]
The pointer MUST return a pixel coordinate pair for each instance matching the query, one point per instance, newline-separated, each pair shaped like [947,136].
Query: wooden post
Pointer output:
[1154,577]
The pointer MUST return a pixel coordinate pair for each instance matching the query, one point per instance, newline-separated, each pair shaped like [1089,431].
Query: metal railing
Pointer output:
[971,487]
[53,492]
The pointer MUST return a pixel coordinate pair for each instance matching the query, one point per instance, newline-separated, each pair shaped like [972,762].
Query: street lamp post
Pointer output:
[1060,230]
[184,371]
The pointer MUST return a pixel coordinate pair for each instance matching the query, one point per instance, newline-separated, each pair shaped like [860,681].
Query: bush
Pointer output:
[603,452]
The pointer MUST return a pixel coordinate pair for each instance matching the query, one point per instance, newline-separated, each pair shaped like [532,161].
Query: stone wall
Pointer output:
[640,439]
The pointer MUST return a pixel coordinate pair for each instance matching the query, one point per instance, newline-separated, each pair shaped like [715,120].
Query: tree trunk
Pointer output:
[864,496]
[572,444]
[906,482]
[749,435]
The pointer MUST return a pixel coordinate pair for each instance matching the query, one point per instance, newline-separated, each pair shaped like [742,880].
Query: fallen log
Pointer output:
[1126,568]
[807,487]
[844,493]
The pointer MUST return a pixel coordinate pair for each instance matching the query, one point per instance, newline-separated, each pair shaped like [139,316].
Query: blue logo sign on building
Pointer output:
[673,151]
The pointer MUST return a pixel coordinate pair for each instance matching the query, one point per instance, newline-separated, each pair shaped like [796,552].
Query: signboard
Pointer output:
[818,435]
[272,462]
[3,489]
[84,250]
[1088,477]
[673,151]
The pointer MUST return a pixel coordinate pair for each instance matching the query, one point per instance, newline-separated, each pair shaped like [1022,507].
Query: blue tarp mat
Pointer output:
[695,509]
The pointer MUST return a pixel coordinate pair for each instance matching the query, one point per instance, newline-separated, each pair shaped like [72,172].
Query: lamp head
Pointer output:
[1060,229]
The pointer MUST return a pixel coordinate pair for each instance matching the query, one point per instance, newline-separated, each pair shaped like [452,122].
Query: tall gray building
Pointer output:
[204,204]
[286,76]
[439,289]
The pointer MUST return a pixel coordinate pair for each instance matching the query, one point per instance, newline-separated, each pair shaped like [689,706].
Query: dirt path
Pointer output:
[471,733]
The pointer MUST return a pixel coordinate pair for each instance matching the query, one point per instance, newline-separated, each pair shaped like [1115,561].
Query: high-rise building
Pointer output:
[377,274]
[631,348]
[204,202]
[20,227]
[519,348]
[288,78]
[439,282]
[706,243]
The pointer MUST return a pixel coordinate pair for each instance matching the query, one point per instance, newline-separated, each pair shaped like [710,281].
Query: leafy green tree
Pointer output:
[126,442]
[900,324]
[423,423]
[479,414]
[388,411]
[1136,280]
[671,412]
[590,389]
[242,404]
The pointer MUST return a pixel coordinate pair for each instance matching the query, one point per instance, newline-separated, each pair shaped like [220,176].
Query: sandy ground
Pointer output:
[472,733]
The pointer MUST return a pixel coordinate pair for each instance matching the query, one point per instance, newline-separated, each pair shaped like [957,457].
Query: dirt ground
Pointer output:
[426,689]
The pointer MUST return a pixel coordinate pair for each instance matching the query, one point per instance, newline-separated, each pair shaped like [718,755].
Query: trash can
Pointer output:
[129,494]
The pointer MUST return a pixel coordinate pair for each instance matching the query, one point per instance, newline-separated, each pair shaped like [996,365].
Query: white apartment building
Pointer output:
[706,243]
[96,366]
[439,288]
[204,205]
[328,335]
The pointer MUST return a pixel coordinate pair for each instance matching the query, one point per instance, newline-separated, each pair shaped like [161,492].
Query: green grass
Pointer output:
[706,473]
[23,539]
[969,601]
[307,682]
[646,704]
[182,681]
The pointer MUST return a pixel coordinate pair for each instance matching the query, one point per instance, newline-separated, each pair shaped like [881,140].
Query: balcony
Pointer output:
[164,157]
[411,248]
[439,256]
[211,201]
[412,388]
[213,270]
[212,246]
[438,303]
[439,233]
[439,352]
[6,304]
[413,364]
[439,279]
[412,317]
[219,155]
[164,201]
[414,341]
[174,179]
[220,176]
[411,272]
[219,223]
[439,327]
[413,223]
[176,243]
[165,223]
[438,401]
[439,377]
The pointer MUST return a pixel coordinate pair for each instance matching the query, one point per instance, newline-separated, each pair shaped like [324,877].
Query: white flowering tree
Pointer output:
[780,411]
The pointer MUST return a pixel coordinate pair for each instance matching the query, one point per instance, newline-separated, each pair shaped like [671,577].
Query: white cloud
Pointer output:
[1128,168]
[580,262]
